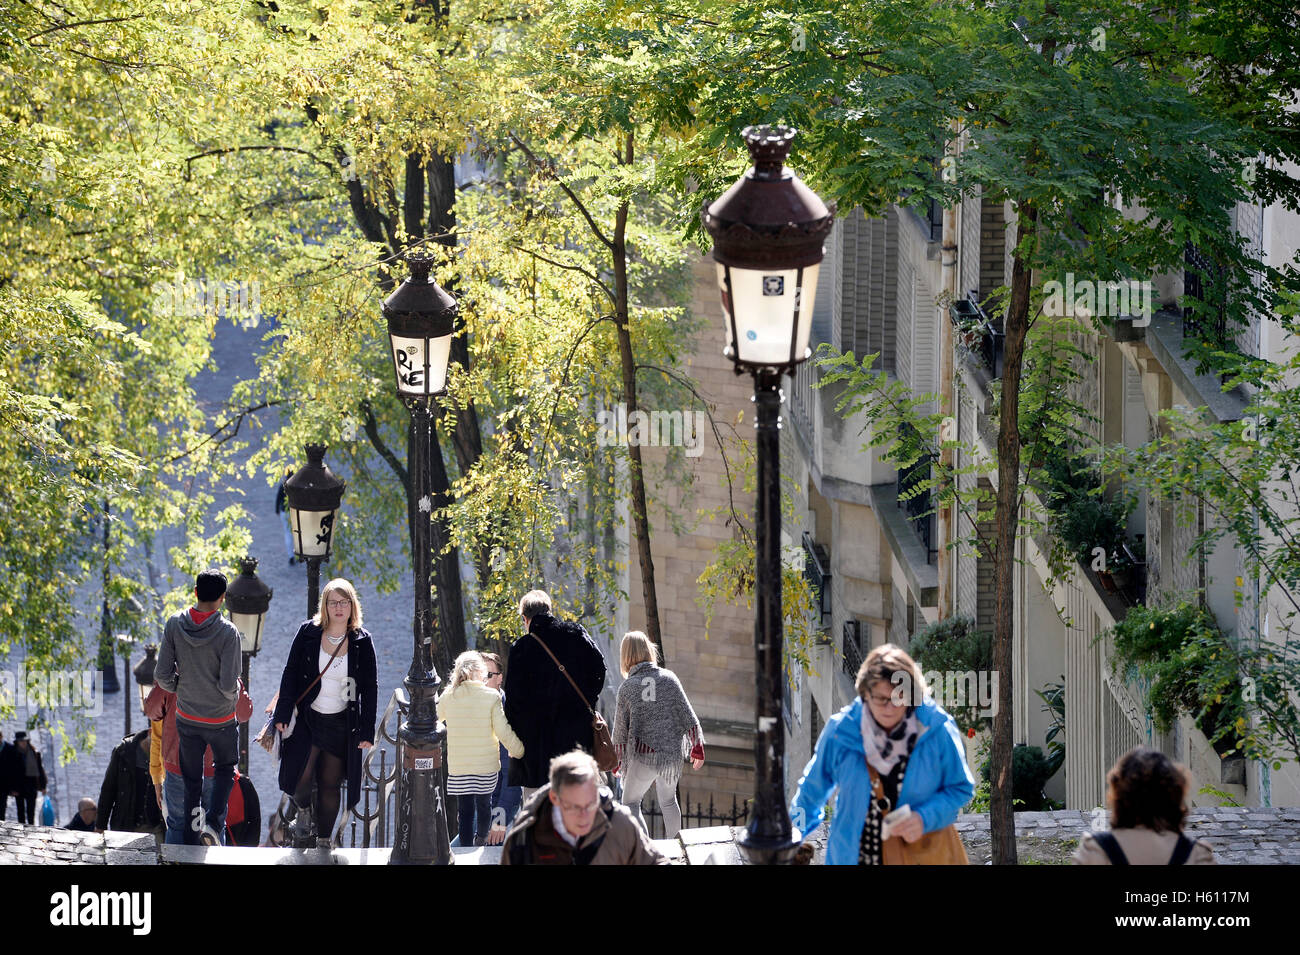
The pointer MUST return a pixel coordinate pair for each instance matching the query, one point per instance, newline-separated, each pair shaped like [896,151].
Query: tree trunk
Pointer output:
[1002,815]
[640,515]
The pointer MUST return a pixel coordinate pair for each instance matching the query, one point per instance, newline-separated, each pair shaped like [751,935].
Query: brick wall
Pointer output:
[717,672]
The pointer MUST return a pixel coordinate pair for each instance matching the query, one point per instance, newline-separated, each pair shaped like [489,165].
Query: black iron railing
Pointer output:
[1200,275]
[851,647]
[699,818]
[916,503]
[977,335]
[817,568]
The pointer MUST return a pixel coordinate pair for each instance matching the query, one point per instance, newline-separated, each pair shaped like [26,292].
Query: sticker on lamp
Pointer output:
[773,284]
[752,335]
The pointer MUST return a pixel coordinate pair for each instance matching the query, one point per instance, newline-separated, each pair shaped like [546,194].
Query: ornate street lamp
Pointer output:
[768,232]
[314,495]
[421,317]
[248,599]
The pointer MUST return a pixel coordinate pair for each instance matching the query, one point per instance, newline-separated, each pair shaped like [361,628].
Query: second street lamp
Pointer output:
[768,232]
[314,495]
[421,319]
[248,599]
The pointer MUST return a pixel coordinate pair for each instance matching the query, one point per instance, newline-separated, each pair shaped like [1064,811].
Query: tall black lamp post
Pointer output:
[144,673]
[125,643]
[248,599]
[420,319]
[768,232]
[314,495]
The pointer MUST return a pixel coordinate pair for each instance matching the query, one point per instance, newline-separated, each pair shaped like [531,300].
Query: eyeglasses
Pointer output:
[491,674]
[338,603]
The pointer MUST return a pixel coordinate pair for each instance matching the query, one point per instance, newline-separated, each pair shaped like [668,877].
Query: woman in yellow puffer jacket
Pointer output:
[475,722]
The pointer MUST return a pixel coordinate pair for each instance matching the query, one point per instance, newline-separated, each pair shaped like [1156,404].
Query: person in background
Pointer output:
[8,782]
[28,778]
[476,728]
[84,820]
[573,820]
[127,802]
[282,508]
[541,704]
[655,730]
[506,799]
[1147,793]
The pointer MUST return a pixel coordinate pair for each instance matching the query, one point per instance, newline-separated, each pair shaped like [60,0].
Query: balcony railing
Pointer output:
[916,504]
[977,335]
[851,646]
[817,568]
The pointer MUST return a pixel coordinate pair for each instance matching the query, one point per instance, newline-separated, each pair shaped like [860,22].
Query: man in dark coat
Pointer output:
[127,801]
[541,705]
[8,783]
[28,777]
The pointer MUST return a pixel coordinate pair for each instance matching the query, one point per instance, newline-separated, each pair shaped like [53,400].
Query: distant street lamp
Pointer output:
[248,599]
[421,319]
[314,495]
[768,232]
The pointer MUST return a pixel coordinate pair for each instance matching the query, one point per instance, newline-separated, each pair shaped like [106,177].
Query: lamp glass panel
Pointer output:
[409,359]
[765,301]
[249,626]
[311,532]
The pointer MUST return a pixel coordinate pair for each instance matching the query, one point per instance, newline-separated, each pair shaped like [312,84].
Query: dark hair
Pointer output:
[1146,789]
[209,585]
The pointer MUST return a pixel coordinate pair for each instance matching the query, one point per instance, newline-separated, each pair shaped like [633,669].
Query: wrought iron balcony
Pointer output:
[977,335]
[916,504]
[851,647]
[817,568]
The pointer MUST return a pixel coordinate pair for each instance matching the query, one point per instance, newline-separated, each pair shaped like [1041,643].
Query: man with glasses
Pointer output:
[573,820]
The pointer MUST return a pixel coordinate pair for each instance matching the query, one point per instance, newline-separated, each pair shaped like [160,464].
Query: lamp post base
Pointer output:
[758,851]
[422,837]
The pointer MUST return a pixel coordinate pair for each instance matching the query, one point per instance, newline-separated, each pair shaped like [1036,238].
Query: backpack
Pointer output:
[243,813]
[1110,845]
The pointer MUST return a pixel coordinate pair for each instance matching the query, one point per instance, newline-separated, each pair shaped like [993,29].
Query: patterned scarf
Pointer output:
[885,748]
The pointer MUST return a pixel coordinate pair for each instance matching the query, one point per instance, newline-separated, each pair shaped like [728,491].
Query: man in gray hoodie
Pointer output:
[199,662]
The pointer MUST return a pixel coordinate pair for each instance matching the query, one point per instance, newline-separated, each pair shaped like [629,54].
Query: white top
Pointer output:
[557,820]
[333,696]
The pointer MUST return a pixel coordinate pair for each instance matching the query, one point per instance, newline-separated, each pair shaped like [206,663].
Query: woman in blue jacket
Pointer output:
[915,751]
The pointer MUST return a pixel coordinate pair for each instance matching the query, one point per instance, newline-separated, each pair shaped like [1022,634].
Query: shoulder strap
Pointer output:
[321,673]
[1182,851]
[576,688]
[1110,845]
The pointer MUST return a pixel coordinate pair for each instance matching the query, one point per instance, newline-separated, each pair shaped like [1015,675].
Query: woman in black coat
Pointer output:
[336,716]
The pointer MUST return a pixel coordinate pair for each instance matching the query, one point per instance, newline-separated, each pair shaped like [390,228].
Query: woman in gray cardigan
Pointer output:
[655,730]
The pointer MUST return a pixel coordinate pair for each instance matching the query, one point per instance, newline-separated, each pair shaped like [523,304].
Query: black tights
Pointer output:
[326,771]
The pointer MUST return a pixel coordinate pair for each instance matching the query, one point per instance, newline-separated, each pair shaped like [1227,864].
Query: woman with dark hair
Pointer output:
[330,682]
[1148,806]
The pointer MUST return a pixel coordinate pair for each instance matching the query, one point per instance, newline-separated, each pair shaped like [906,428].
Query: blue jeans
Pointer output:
[174,800]
[194,739]
[467,809]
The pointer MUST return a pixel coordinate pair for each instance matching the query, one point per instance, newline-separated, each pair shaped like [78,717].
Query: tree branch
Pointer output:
[605,240]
